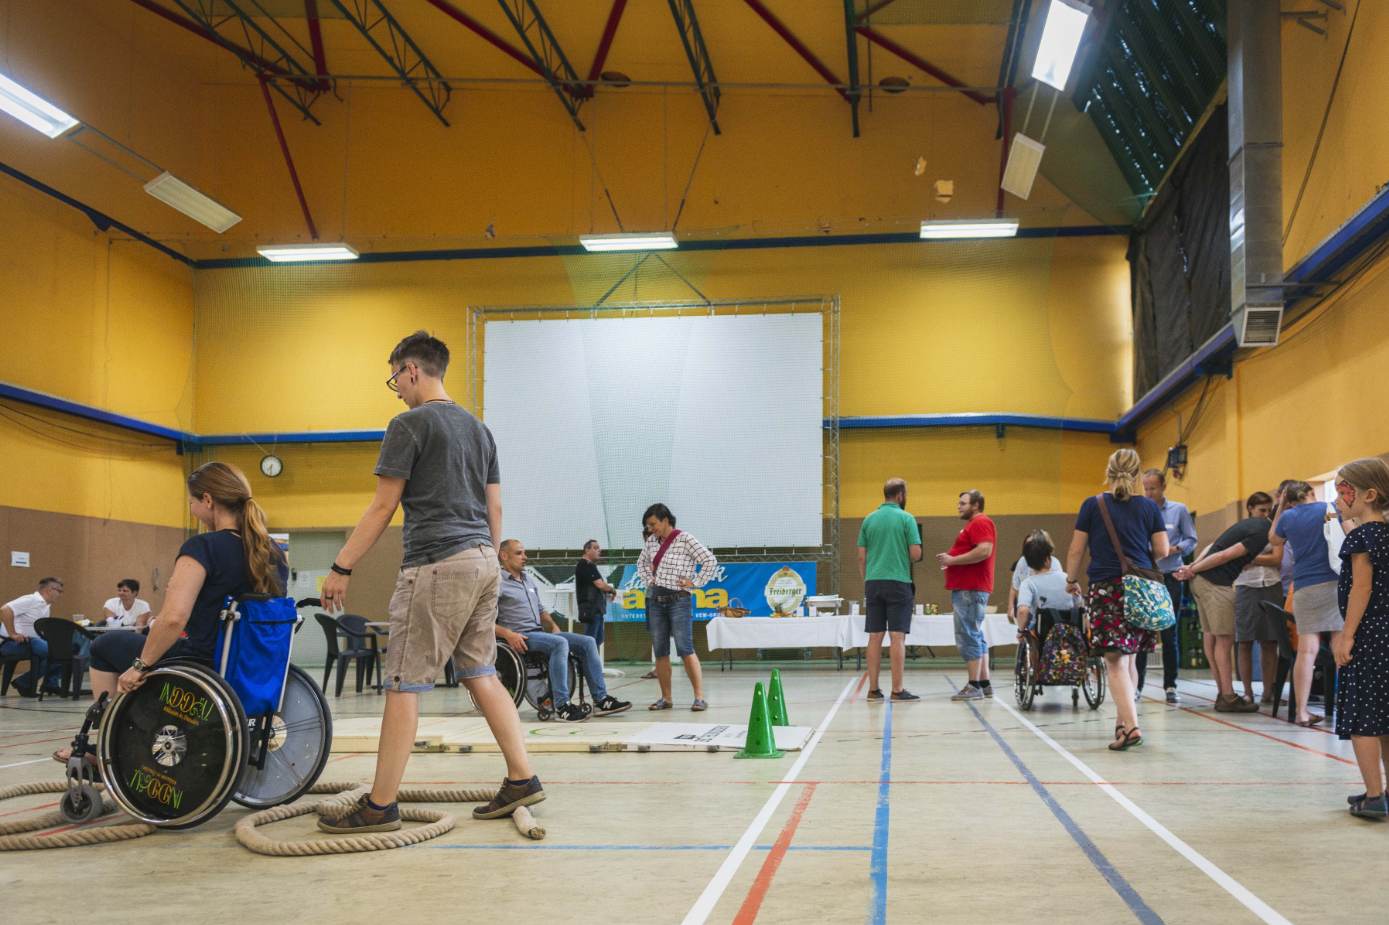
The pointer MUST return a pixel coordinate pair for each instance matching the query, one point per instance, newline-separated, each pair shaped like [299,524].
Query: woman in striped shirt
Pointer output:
[667,566]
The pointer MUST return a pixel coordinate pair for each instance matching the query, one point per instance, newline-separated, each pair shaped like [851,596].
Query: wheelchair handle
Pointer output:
[308,602]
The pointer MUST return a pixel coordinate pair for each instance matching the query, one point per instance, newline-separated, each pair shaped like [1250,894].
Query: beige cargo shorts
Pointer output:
[443,610]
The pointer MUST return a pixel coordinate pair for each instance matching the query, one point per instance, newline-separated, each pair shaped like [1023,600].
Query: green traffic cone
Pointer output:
[761,741]
[776,701]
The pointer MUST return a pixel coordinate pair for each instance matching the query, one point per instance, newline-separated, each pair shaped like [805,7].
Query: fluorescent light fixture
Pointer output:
[172,191]
[1024,157]
[298,253]
[661,241]
[33,111]
[970,228]
[1056,53]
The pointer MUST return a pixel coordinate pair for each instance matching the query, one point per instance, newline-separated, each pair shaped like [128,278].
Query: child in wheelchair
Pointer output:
[1052,649]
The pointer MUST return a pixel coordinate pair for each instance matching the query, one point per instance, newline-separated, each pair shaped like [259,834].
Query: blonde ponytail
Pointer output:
[1124,473]
[229,488]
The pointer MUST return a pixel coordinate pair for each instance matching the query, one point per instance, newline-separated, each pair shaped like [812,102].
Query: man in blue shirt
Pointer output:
[1181,537]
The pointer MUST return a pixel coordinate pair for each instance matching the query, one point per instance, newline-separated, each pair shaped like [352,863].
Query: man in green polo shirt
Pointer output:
[888,543]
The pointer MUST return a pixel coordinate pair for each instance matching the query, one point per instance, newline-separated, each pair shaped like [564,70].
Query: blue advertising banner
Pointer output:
[762,587]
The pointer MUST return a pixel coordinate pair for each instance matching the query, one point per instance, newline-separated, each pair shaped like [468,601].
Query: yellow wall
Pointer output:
[102,321]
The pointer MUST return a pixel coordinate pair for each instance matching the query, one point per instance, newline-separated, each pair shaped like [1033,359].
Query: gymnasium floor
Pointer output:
[933,811]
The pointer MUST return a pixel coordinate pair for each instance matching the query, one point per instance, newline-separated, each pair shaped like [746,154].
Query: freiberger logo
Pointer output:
[785,590]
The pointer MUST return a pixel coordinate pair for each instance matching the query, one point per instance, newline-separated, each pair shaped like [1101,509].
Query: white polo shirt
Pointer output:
[125,617]
[27,610]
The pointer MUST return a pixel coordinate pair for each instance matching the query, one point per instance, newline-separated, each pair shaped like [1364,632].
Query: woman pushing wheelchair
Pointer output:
[236,556]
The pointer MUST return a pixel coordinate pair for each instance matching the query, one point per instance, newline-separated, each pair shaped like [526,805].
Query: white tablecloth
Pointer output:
[934,630]
[775,632]
[844,631]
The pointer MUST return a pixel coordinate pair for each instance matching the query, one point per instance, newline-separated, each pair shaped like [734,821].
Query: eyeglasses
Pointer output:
[391,383]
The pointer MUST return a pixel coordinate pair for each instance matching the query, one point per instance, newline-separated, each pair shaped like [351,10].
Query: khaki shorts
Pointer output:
[444,610]
[1216,606]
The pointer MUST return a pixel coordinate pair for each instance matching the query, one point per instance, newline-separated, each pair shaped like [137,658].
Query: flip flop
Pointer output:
[1131,738]
[649,676]
[699,706]
[661,704]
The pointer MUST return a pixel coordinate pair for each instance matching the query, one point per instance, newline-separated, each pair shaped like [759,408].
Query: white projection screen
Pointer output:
[718,416]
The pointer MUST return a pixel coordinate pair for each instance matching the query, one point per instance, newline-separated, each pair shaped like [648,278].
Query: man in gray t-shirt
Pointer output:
[440,462]
[447,458]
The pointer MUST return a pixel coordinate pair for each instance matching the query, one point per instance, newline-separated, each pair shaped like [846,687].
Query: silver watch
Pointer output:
[140,666]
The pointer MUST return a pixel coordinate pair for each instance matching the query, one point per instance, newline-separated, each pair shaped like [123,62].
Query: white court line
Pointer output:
[18,763]
[705,904]
[1251,902]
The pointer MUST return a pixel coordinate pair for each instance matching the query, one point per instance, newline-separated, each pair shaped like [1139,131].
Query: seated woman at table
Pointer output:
[235,557]
[126,608]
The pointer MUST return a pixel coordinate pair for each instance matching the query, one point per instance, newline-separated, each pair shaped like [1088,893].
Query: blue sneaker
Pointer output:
[1367,808]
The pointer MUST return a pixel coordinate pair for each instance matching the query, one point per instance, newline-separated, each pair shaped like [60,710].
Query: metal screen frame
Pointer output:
[827,555]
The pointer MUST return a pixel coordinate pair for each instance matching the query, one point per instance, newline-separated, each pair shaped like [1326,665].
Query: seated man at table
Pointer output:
[17,636]
[126,608]
[525,625]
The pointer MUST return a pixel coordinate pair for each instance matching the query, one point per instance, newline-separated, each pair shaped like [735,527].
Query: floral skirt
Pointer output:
[1109,631]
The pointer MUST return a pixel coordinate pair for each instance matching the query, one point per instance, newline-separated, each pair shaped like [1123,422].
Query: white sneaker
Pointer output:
[1172,695]
[968,692]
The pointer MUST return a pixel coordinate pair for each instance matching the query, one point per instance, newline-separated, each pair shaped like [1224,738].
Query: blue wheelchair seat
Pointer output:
[253,646]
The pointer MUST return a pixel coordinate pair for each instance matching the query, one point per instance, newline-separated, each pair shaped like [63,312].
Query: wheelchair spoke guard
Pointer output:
[301,734]
[171,751]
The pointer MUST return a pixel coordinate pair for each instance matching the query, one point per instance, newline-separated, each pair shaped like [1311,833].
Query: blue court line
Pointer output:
[1127,893]
[877,867]
[636,847]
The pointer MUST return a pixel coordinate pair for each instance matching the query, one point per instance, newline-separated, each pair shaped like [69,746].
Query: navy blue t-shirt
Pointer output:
[1135,521]
[224,557]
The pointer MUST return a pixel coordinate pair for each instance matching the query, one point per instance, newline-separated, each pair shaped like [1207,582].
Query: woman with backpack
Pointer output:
[1121,513]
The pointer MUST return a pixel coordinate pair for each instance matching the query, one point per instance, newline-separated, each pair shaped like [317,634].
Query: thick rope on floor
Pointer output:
[13,839]
[347,793]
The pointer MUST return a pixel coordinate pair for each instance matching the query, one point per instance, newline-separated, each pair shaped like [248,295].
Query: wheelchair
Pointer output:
[1035,671]
[253,728]
[526,677]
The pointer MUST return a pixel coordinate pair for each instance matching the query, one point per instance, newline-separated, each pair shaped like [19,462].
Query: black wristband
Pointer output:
[340,570]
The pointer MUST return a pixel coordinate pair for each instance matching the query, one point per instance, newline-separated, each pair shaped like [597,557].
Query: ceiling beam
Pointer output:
[320,60]
[851,39]
[492,38]
[260,53]
[394,44]
[289,161]
[545,51]
[798,46]
[605,44]
[921,63]
[698,53]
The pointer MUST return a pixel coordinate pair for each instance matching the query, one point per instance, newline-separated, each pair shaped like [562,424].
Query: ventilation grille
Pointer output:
[1260,326]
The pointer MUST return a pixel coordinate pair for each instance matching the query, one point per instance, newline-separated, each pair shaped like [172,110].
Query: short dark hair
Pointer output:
[45,582]
[660,512]
[1256,499]
[893,487]
[590,544]
[1037,552]
[1161,476]
[508,545]
[976,497]
[130,583]
[426,351]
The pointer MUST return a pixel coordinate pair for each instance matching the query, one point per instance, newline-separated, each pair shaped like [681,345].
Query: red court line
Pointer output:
[861,682]
[748,913]
[29,810]
[1251,731]
[1260,713]
[37,742]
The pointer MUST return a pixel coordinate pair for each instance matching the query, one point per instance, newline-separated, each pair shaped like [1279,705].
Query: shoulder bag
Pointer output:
[1147,605]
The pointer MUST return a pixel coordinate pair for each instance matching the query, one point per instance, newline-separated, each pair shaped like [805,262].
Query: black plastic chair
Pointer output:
[7,666]
[363,648]
[341,650]
[1287,655]
[59,634]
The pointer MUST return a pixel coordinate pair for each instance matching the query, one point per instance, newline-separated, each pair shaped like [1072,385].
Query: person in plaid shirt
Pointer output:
[667,566]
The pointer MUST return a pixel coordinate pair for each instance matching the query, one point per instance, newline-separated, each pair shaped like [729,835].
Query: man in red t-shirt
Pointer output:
[969,576]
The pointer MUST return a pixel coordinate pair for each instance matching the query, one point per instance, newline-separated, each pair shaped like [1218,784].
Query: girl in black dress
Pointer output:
[1362,652]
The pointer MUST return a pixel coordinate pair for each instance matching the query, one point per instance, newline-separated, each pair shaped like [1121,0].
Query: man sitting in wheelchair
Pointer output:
[1051,615]
[525,625]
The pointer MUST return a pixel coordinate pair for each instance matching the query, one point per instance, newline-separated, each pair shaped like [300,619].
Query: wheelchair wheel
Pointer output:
[301,734]
[1093,686]
[510,671]
[172,750]
[1025,672]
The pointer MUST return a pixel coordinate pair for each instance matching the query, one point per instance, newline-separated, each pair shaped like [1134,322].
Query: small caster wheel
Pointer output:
[587,709]
[543,714]
[82,804]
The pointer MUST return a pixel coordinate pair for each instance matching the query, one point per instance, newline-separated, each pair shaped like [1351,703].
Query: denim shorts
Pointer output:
[676,617]
[969,623]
